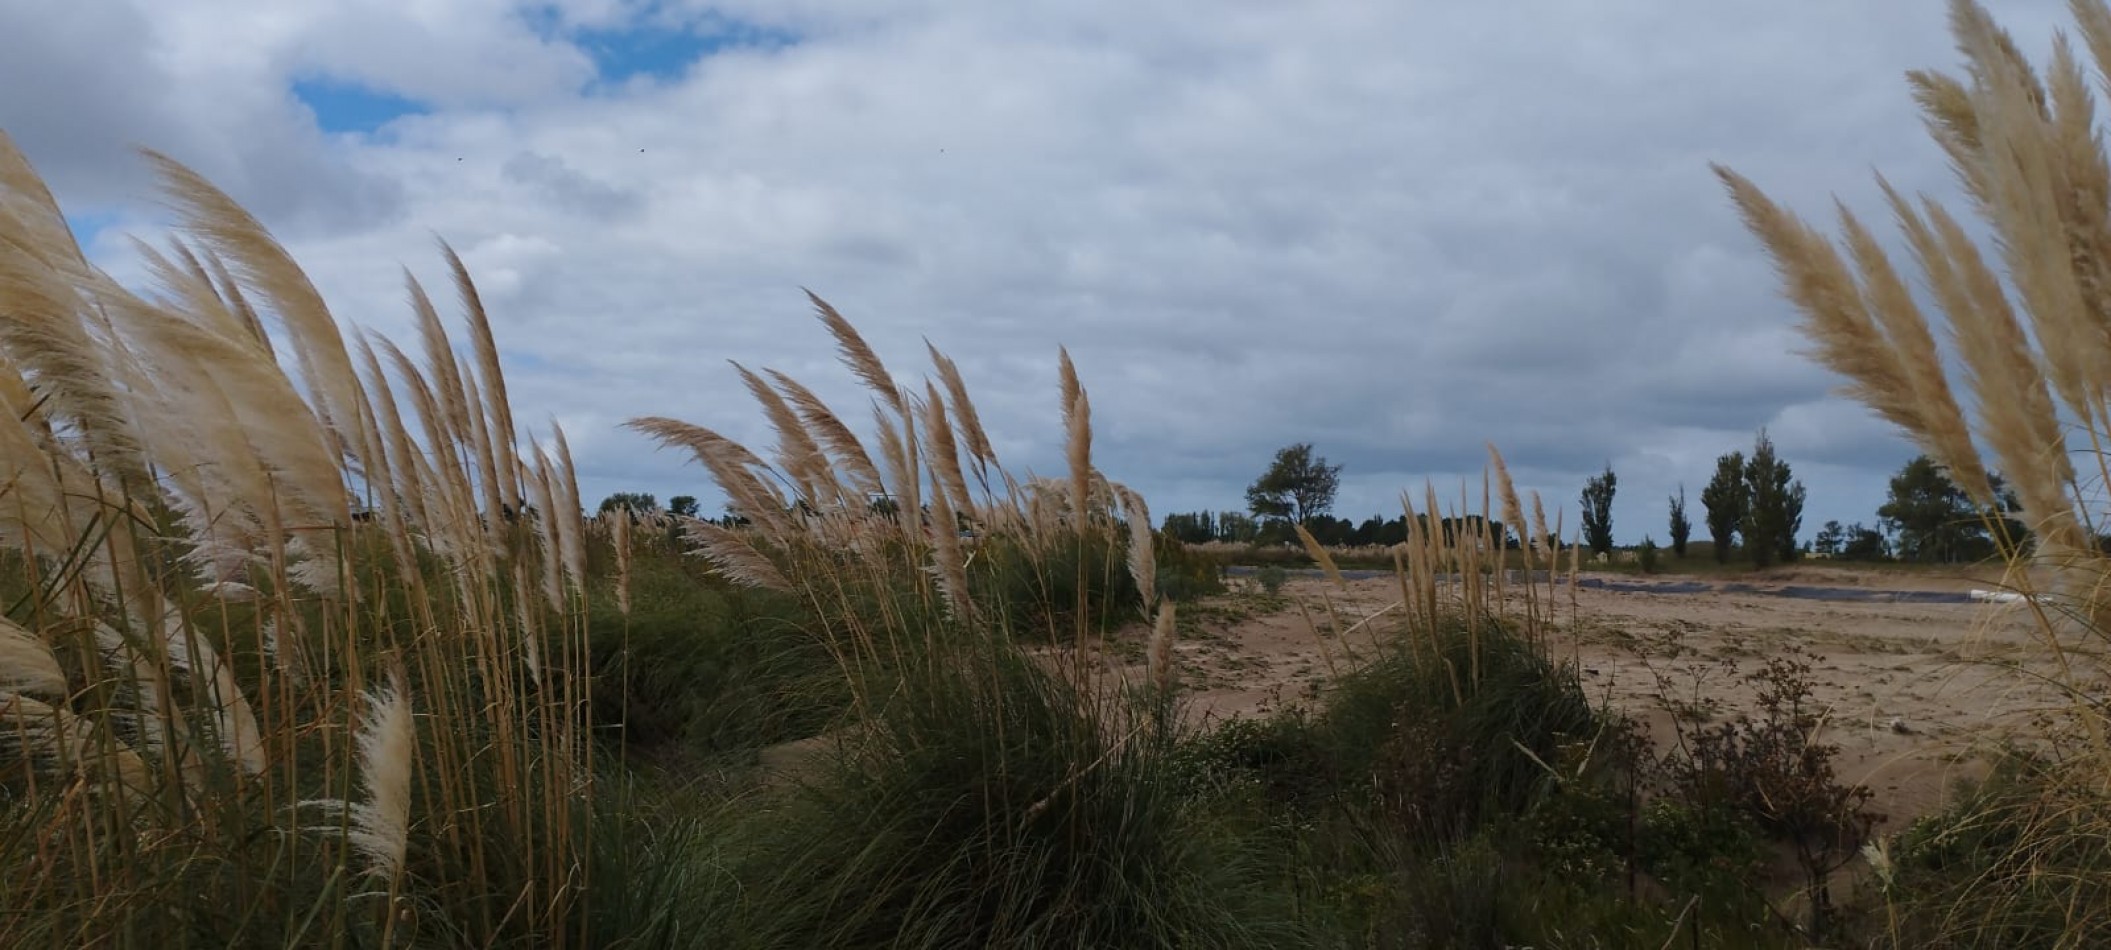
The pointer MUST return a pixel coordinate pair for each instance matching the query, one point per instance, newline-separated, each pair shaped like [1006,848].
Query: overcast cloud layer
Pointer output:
[1396,230]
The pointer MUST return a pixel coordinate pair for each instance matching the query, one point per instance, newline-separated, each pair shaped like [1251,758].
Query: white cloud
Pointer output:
[1396,230]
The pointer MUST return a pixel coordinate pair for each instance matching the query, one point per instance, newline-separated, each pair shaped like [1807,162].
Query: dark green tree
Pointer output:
[637,503]
[1190,527]
[1727,501]
[1236,527]
[1296,487]
[1831,538]
[1681,526]
[1774,509]
[1861,542]
[1331,531]
[1936,521]
[1598,511]
[683,506]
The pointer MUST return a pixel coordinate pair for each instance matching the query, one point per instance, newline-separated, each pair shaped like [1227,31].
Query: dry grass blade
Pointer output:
[2085,172]
[387,747]
[256,459]
[543,489]
[258,260]
[1319,554]
[44,337]
[237,301]
[949,562]
[898,451]
[731,464]
[73,744]
[440,369]
[1513,509]
[1938,419]
[858,355]
[971,433]
[734,557]
[1836,320]
[1163,634]
[34,212]
[944,454]
[1143,555]
[493,377]
[798,454]
[407,504]
[569,516]
[2016,413]
[1077,418]
[852,461]
[26,664]
[1067,379]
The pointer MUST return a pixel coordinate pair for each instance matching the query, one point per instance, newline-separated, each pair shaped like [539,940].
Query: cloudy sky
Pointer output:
[1398,230]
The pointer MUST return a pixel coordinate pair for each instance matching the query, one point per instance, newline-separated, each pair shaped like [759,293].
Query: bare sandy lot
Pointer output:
[1907,689]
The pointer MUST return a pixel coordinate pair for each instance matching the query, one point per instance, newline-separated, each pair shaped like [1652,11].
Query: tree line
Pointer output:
[1928,518]
[1752,507]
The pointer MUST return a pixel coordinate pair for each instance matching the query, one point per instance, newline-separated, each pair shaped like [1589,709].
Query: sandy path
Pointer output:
[1908,688]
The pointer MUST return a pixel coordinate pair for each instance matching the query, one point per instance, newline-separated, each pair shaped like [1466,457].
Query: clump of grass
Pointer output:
[990,786]
[2015,827]
[1444,753]
[698,669]
[252,561]
[1006,808]
[1271,578]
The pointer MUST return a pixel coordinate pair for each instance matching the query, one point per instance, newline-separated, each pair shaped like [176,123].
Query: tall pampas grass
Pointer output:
[993,778]
[2032,350]
[195,613]
[930,445]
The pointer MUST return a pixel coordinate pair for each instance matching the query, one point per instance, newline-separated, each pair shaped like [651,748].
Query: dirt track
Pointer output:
[1908,687]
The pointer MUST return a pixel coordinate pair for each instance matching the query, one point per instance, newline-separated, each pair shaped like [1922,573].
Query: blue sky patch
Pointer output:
[342,107]
[87,225]
[661,52]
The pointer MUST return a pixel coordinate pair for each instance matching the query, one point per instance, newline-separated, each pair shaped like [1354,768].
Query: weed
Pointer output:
[1773,770]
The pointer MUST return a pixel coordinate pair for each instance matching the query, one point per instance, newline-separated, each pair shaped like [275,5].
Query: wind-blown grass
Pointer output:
[987,785]
[2021,389]
[224,519]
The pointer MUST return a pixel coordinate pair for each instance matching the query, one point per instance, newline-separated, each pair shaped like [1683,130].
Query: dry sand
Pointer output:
[1908,689]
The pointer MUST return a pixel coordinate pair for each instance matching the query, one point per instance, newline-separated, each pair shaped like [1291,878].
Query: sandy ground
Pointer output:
[1908,689]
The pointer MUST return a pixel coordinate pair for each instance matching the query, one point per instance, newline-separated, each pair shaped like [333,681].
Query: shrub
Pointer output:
[1773,771]
[1271,578]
